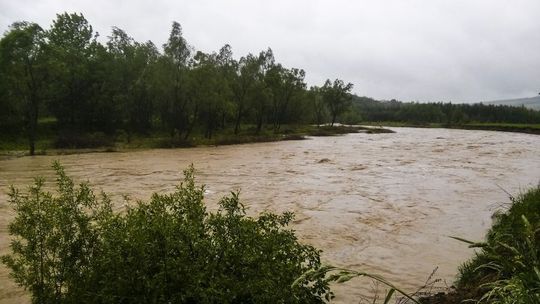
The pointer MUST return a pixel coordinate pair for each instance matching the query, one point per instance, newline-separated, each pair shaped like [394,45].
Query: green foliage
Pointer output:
[133,88]
[177,111]
[23,73]
[286,87]
[55,237]
[319,108]
[71,49]
[246,83]
[209,90]
[447,114]
[128,84]
[337,97]
[70,247]
[506,270]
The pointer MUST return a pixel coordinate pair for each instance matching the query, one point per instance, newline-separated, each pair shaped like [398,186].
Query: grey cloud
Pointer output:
[425,50]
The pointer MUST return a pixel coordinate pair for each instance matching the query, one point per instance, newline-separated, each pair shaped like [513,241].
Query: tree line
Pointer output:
[124,85]
[65,75]
[368,109]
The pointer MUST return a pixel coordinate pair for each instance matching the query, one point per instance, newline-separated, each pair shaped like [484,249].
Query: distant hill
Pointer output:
[531,102]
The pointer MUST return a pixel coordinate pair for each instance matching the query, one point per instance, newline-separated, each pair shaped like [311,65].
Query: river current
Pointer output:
[383,203]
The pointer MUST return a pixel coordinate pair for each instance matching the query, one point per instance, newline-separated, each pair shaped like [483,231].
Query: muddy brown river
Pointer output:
[384,203]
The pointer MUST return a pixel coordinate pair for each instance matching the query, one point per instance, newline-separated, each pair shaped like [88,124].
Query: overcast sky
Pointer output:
[411,50]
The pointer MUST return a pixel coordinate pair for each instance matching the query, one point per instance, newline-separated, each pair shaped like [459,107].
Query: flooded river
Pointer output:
[384,203]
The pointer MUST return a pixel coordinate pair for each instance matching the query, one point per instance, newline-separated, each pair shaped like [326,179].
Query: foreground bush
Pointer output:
[506,269]
[70,247]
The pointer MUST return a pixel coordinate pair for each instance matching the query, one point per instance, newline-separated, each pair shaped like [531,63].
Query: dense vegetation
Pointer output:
[506,269]
[63,85]
[70,247]
[447,114]
[94,91]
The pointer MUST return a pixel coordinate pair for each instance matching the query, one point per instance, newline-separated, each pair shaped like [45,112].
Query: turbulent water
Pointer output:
[384,203]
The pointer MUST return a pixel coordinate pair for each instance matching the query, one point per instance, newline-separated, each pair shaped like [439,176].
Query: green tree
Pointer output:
[260,104]
[317,104]
[286,85]
[176,111]
[226,71]
[337,97]
[244,85]
[208,90]
[24,74]
[54,238]
[71,45]
[129,80]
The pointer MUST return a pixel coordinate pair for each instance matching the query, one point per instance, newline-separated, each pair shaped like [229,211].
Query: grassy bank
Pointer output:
[12,143]
[506,268]
[503,127]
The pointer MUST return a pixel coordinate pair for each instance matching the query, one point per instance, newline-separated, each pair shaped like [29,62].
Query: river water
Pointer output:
[384,203]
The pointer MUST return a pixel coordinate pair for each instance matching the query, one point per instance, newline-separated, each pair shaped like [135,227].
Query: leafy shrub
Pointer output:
[71,247]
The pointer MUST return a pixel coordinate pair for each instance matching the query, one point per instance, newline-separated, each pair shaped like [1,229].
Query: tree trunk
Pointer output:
[259,125]
[32,147]
[237,122]
[32,128]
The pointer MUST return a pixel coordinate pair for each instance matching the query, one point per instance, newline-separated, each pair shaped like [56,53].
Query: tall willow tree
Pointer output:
[208,90]
[317,104]
[337,97]
[243,85]
[286,85]
[22,62]
[260,104]
[176,112]
[72,43]
[129,80]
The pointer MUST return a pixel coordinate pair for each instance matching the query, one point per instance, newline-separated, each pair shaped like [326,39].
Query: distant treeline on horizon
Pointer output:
[442,112]
[123,85]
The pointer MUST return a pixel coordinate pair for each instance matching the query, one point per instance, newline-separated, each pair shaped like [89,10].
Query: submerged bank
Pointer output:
[54,144]
[97,142]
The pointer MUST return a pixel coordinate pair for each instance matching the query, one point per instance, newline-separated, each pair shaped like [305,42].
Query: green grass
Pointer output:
[512,125]
[506,269]
[509,261]
[504,127]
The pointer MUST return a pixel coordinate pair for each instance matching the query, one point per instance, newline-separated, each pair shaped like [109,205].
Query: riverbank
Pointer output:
[502,127]
[506,267]
[51,144]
